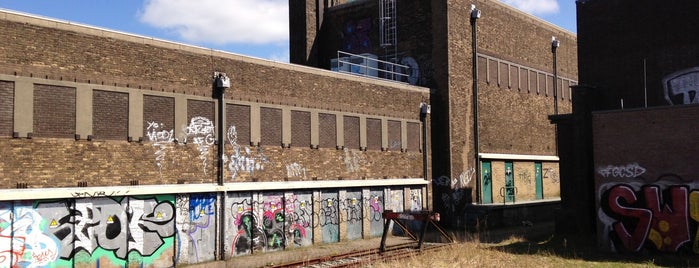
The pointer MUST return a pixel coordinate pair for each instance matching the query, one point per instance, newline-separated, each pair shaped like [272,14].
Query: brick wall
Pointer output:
[7,97]
[140,81]
[373,134]
[110,115]
[158,114]
[414,132]
[239,116]
[300,129]
[394,137]
[271,127]
[351,132]
[327,131]
[200,108]
[54,111]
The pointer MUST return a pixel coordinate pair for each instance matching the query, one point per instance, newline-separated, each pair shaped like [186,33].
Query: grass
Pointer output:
[551,251]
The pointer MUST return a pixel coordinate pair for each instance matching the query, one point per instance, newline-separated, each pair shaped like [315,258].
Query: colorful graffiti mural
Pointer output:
[659,216]
[165,230]
[102,231]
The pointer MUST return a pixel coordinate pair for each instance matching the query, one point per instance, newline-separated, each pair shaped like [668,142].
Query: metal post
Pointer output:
[221,82]
[554,45]
[475,15]
[424,111]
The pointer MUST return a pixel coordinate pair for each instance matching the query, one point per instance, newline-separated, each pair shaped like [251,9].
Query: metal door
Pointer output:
[539,181]
[509,182]
[487,172]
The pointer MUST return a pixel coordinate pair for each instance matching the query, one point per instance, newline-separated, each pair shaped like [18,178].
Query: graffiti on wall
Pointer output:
[87,230]
[631,170]
[353,160]
[196,232]
[682,87]
[550,173]
[269,222]
[356,38]
[454,190]
[655,216]
[243,159]
[415,199]
[295,170]
[353,211]
[201,132]
[162,139]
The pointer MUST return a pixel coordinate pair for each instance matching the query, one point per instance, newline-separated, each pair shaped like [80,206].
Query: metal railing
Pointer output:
[368,65]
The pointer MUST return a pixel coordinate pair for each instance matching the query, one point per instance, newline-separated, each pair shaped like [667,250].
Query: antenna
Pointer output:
[645,84]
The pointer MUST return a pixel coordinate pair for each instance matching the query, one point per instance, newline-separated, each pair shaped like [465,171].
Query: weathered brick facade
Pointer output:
[515,71]
[135,99]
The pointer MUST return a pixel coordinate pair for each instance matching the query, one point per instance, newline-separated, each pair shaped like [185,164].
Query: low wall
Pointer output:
[164,226]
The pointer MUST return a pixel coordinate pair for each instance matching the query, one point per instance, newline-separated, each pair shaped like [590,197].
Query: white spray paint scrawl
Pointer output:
[242,159]
[162,139]
[201,132]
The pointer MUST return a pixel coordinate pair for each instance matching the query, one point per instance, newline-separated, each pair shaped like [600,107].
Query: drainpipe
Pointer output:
[424,111]
[221,83]
[475,15]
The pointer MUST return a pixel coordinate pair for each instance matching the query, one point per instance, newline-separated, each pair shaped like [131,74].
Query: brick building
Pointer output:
[430,44]
[109,144]
[630,140]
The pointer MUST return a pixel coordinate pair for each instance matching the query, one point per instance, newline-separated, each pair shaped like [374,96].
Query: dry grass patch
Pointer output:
[552,252]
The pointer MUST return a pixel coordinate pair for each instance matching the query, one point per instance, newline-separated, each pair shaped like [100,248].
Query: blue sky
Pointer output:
[257,28]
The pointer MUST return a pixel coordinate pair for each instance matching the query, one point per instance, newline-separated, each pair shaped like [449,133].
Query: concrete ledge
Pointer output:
[106,191]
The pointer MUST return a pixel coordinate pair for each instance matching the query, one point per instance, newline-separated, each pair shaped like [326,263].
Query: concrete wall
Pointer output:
[646,188]
[164,226]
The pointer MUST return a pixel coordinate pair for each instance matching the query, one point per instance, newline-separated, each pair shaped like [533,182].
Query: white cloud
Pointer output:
[221,22]
[535,7]
[281,56]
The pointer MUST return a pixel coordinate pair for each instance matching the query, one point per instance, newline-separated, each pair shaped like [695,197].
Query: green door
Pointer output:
[509,182]
[487,172]
[539,181]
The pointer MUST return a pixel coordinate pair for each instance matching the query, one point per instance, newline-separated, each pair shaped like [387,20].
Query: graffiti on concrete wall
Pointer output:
[353,213]
[375,203]
[96,230]
[196,232]
[162,139]
[201,133]
[415,199]
[455,190]
[270,221]
[243,159]
[329,217]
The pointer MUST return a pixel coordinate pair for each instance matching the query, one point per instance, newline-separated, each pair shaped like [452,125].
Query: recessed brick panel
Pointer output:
[158,114]
[200,108]
[300,129]
[514,77]
[503,73]
[54,111]
[270,127]
[110,118]
[373,134]
[7,100]
[239,116]
[413,136]
[492,72]
[327,127]
[351,132]
[482,70]
[394,137]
